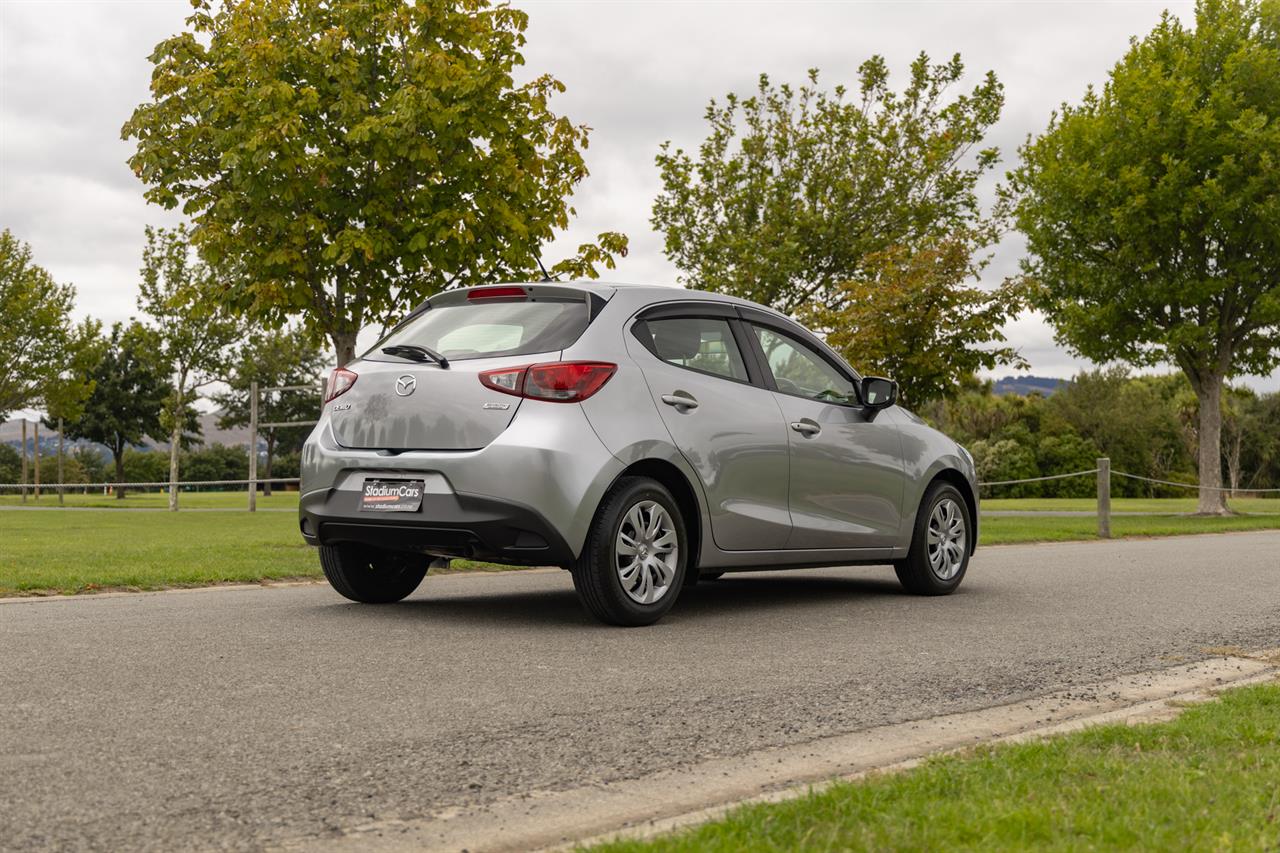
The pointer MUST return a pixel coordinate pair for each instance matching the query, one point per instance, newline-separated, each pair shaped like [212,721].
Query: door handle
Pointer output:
[680,401]
[809,428]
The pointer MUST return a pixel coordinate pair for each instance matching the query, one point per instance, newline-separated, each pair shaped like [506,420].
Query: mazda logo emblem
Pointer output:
[405,385]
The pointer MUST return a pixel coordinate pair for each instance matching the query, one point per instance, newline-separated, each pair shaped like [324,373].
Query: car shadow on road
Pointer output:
[732,595]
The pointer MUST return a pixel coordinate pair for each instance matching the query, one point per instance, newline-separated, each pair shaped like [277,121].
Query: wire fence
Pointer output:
[1102,472]
[1092,471]
[157,484]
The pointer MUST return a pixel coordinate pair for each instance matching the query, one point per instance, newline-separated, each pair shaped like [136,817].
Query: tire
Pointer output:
[938,569]
[619,588]
[370,575]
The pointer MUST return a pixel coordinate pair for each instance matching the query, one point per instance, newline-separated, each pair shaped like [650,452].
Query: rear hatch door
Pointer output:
[402,403]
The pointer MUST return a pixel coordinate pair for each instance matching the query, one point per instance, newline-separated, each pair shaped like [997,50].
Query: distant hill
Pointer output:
[1043,385]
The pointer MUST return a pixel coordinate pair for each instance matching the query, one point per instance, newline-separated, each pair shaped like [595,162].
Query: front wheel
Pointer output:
[634,561]
[371,575]
[939,554]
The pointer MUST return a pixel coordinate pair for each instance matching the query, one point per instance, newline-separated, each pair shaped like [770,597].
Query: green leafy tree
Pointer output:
[279,359]
[217,462]
[90,460]
[129,392]
[145,466]
[914,318]
[1260,442]
[1004,459]
[796,191]
[44,353]
[1152,210]
[1064,452]
[10,465]
[1134,421]
[350,158]
[182,300]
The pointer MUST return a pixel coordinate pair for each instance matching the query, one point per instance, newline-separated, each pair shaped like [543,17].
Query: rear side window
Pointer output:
[698,343]
[491,327]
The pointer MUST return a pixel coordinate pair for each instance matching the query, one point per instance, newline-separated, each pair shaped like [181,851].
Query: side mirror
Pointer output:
[878,392]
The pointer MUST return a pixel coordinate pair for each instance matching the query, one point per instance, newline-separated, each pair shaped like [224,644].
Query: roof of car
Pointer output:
[661,291]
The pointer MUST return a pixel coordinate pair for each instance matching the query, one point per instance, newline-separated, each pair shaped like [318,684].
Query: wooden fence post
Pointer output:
[24,460]
[36,454]
[60,479]
[253,447]
[1104,498]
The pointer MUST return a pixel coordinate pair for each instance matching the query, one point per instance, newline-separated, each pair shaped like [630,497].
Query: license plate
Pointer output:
[391,495]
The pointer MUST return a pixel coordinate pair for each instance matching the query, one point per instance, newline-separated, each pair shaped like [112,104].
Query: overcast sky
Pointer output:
[637,72]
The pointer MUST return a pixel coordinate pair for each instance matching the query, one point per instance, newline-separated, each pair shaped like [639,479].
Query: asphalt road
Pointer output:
[238,718]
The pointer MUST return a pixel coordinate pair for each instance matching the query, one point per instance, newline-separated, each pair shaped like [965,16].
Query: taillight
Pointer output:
[340,382]
[556,382]
[505,379]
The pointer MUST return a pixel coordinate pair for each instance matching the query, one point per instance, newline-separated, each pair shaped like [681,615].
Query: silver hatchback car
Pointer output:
[643,438]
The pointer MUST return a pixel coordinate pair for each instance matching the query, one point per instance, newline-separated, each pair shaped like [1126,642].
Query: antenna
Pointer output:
[545,277]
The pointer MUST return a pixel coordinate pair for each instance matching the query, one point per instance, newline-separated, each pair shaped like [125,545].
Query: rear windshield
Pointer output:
[488,328]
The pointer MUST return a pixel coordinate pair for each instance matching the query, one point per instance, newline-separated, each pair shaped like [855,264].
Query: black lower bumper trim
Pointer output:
[453,525]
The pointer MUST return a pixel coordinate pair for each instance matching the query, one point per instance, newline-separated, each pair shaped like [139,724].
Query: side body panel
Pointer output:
[847,479]
[926,453]
[736,441]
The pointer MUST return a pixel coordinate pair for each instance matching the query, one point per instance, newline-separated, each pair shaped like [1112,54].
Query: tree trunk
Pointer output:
[1233,460]
[118,450]
[344,346]
[271,446]
[1213,500]
[175,439]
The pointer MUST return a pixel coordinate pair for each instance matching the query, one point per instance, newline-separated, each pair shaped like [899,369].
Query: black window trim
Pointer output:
[698,310]
[797,333]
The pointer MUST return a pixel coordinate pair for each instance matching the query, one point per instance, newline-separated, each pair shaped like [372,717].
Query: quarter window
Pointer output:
[798,369]
[698,343]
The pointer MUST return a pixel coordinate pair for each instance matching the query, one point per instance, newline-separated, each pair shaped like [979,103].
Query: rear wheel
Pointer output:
[371,575]
[634,561]
[939,554]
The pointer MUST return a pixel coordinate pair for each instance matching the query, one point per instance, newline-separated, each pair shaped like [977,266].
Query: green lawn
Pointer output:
[77,551]
[1170,505]
[1012,530]
[71,552]
[1209,780]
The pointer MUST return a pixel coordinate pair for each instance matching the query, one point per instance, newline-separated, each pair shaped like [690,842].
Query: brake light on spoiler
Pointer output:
[497,293]
[555,382]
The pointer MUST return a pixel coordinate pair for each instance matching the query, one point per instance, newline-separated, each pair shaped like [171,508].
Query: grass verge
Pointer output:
[1012,530]
[1265,506]
[1208,780]
[69,552]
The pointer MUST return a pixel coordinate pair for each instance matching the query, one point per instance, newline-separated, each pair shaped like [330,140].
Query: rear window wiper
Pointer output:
[414,352]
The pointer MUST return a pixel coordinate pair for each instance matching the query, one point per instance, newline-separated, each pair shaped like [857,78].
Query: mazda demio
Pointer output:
[643,438]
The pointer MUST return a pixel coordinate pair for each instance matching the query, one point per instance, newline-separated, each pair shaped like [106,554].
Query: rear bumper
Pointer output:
[527,498]
[446,525]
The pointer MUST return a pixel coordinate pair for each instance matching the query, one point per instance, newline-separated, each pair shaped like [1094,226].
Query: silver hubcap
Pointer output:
[946,539]
[647,552]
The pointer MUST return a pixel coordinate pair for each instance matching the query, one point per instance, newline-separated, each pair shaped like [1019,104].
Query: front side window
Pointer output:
[798,369]
[488,328]
[698,343]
